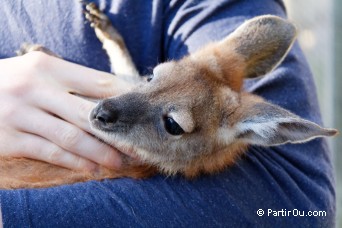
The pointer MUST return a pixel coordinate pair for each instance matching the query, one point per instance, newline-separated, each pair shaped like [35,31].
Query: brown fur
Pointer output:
[28,173]
[213,163]
[229,68]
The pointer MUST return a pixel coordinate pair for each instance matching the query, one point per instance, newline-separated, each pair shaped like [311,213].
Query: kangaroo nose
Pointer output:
[105,116]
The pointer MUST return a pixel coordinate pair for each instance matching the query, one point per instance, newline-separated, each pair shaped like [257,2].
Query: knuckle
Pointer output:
[104,83]
[37,60]
[54,154]
[11,114]
[84,110]
[8,112]
[82,164]
[79,164]
[71,137]
[20,87]
[33,65]
[106,86]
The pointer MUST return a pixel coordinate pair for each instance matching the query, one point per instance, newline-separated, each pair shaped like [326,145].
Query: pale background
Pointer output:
[320,35]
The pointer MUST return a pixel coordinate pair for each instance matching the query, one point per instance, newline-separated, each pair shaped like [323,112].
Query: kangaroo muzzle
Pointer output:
[105,115]
[116,114]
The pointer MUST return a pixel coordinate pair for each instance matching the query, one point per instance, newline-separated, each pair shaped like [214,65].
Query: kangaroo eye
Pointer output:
[172,127]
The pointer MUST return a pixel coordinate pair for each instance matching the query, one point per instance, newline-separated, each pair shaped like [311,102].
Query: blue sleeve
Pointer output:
[290,180]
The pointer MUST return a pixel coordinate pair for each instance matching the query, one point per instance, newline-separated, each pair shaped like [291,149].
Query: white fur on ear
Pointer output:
[270,125]
[226,135]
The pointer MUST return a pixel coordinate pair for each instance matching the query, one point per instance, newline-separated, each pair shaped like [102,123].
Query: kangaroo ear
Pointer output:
[252,50]
[263,42]
[267,125]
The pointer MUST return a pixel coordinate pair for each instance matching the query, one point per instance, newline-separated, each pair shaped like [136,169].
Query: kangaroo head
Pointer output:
[192,115]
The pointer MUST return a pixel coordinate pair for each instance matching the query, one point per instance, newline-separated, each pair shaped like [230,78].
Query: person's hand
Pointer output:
[40,118]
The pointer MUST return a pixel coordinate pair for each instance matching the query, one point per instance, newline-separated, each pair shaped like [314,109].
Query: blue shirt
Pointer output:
[282,178]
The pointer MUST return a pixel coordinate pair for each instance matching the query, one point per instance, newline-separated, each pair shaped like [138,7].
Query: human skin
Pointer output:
[41,118]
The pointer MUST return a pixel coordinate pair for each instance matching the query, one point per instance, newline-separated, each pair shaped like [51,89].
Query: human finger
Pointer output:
[83,80]
[69,107]
[39,148]
[69,137]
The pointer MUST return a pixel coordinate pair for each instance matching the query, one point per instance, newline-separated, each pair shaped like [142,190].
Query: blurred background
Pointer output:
[320,35]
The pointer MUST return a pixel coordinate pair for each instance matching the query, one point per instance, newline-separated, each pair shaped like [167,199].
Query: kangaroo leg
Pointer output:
[113,43]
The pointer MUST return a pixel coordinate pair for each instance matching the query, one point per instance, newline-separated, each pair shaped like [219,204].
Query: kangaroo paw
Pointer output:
[96,17]
[112,42]
[101,24]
